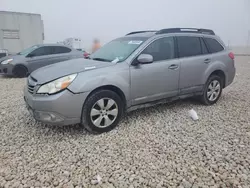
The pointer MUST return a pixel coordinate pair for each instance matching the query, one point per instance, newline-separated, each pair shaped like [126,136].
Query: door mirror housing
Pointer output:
[145,59]
[31,55]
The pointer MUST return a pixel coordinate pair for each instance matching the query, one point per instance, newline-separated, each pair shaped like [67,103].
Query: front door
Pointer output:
[40,57]
[157,80]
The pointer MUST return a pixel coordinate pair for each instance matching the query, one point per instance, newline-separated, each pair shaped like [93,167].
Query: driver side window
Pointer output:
[161,49]
[45,50]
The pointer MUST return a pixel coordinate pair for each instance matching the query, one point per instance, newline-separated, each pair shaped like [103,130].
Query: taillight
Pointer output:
[231,55]
[85,54]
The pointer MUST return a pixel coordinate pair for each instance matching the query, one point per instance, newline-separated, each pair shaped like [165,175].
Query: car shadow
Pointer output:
[79,130]
[144,112]
[73,130]
[7,76]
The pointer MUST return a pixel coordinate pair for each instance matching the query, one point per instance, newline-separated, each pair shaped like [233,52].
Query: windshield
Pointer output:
[28,50]
[117,50]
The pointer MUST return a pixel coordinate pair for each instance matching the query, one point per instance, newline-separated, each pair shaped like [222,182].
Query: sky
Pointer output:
[108,19]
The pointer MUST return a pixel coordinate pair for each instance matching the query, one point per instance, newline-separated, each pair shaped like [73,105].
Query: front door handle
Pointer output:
[207,60]
[173,67]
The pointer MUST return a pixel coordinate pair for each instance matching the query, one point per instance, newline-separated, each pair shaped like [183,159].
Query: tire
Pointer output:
[20,71]
[212,81]
[99,120]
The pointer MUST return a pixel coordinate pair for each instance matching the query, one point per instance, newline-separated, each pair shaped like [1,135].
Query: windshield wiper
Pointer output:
[101,59]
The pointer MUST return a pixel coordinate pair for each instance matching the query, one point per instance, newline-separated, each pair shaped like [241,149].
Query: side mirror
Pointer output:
[30,55]
[145,59]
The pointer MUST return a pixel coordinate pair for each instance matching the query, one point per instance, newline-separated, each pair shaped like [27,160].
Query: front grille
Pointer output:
[31,84]
[31,89]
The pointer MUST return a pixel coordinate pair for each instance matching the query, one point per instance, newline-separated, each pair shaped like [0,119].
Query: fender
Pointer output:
[215,66]
[117,76]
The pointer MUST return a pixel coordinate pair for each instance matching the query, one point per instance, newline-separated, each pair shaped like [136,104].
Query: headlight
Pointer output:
[57,85]
[7,61]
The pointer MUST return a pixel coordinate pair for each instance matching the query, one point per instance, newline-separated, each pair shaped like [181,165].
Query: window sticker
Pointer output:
[115,60]
[135,42]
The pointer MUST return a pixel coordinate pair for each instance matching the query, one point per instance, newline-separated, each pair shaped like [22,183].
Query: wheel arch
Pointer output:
[113,88]
[221,74]
[18,66]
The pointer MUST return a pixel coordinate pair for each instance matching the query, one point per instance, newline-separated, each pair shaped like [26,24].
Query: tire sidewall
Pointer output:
[90,101]
[205,97]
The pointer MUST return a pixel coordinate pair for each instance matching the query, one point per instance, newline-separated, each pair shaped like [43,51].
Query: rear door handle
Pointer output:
[207,60]
[173,67]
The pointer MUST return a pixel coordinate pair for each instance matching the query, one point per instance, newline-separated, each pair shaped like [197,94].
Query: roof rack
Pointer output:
[135,32]
[186,30]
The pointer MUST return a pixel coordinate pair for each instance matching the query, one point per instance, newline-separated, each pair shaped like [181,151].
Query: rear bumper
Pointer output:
[64,108]
[6,69]
[230,77]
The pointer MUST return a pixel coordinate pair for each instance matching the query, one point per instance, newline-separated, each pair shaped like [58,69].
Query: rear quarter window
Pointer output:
[213,45]
[61,50]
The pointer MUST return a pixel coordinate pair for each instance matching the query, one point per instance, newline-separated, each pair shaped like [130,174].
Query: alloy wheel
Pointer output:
[104,112]
[213,90]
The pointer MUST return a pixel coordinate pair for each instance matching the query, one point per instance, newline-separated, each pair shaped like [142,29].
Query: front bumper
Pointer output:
[6,69]
[64,108]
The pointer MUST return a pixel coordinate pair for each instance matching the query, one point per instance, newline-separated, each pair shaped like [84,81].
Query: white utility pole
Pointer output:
[247,8]
[247,5]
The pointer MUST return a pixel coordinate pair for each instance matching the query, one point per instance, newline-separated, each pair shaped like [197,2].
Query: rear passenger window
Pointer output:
[203,47]
[213,45]
[189,46]
[61,49]
[161,49]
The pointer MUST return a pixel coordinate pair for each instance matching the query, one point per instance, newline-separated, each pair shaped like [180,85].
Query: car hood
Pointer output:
[14,57]
[58,70]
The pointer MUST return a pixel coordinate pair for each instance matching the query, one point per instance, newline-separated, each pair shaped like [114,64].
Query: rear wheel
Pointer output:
[20,71]
[212,90]
[102,111]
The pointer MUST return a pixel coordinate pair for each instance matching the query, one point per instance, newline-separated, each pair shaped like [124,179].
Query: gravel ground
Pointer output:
[156,147]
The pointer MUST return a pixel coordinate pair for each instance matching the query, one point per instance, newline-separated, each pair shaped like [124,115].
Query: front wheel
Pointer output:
[102,111]
[212,90]
[20,71]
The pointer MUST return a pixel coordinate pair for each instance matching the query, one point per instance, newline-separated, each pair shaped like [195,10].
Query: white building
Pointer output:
[20,30]
[73,42]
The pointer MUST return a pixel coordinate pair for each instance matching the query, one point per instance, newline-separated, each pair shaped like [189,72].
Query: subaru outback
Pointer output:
[140,69]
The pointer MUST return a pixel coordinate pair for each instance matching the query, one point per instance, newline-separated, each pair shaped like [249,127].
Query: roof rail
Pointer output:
[135,32]
[186,30]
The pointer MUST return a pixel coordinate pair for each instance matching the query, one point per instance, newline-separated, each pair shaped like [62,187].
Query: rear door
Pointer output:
[60,53]
[195,59]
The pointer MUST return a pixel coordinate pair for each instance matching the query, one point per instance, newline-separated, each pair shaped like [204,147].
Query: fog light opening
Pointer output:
[48,116]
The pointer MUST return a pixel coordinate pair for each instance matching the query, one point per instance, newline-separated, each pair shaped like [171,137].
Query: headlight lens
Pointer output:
[7,61]
[57,85]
